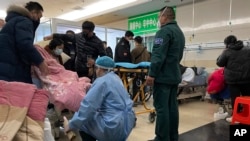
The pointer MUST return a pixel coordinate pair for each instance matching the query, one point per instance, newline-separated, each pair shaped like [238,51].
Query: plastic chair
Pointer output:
[241,111]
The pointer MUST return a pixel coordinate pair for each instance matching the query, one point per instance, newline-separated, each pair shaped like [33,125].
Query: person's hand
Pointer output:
[66,125]
[43,67]
[50,37]
[150,80]
[90,62]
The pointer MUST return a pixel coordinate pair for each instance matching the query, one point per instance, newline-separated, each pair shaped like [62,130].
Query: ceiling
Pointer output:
[54,8]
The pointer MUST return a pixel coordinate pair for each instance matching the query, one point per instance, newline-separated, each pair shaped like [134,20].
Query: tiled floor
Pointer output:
[193,113]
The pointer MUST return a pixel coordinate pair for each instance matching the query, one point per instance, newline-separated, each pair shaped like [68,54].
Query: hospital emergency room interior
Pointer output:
[205,24]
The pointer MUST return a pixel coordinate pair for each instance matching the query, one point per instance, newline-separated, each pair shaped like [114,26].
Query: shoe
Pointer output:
[219,115]
[229,119]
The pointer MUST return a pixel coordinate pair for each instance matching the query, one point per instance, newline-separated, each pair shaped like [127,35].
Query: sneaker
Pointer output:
[229,119]
[218,115]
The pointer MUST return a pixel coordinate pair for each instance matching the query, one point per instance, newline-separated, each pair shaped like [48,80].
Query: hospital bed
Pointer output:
[127,73]
[196,88]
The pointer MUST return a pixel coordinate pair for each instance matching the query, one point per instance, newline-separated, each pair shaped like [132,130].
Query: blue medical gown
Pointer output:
[106,112]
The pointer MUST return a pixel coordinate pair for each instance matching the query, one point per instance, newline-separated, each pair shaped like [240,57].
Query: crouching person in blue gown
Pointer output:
[106,112]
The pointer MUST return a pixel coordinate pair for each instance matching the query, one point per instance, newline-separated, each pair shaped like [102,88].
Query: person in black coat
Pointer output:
[88,48]
[108,49]
[235,60]
[70,50]
[17,52]
[122,49]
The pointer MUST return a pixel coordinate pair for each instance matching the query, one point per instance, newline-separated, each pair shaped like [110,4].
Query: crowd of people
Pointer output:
[106,111]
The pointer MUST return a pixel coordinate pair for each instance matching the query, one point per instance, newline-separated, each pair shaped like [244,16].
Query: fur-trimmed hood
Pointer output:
[18,10]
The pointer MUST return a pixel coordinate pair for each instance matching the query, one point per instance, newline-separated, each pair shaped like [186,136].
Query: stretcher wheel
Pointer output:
[151,117]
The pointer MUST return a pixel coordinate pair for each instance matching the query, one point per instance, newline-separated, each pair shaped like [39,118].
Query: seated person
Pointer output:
[55,49]
[106,111]
[216,85]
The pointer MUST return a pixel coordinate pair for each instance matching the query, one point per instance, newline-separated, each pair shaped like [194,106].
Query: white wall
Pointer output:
[211,25]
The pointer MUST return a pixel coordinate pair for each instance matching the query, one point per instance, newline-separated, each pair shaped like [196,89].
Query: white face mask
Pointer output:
[58,51]
[158,24]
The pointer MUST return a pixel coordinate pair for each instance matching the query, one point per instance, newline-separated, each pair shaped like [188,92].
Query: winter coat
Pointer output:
[167,53]
[109,52]
[235,59]
[122,51]
[85,46]
[17,52]
[140,54]
[216,81]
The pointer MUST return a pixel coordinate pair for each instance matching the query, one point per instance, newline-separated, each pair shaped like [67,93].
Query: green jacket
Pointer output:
[167,53]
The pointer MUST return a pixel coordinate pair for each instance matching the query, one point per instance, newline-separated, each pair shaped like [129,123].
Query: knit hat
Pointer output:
[105,62]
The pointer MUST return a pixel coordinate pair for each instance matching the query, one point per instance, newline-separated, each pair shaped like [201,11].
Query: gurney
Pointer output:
[125,72]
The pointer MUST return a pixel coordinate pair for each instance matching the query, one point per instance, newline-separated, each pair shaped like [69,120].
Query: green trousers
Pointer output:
[167,113]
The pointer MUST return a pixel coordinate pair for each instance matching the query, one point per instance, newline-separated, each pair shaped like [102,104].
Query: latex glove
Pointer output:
[66,125]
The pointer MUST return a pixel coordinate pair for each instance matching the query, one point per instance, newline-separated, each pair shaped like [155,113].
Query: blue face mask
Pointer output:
[58,51]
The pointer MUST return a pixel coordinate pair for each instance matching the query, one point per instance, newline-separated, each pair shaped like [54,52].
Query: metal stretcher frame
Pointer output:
[199,81]
[122,72]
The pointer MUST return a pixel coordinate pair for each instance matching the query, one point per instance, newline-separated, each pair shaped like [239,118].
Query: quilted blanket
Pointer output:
[22,111]
[66,90]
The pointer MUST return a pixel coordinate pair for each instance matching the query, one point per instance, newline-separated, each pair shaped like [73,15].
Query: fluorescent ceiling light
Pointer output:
[2,14]
[101,6]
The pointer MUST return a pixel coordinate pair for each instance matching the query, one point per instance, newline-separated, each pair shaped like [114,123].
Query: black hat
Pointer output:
[88,25]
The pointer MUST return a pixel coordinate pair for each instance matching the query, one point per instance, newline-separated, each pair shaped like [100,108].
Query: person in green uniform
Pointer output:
[165,75]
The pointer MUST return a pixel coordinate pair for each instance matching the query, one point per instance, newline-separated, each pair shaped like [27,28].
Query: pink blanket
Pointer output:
[66,89]
[20,102]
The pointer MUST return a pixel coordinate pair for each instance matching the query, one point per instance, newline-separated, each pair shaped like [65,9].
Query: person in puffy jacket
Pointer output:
[88,48]
[235,60]
[17,52]
[217,87]
[106,112]
[216,81]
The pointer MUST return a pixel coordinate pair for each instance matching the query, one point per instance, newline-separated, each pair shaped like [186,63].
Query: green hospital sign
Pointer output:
[143,24]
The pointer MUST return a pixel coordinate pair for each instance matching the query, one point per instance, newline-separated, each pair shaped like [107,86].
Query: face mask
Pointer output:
[58,51]
[158,24]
